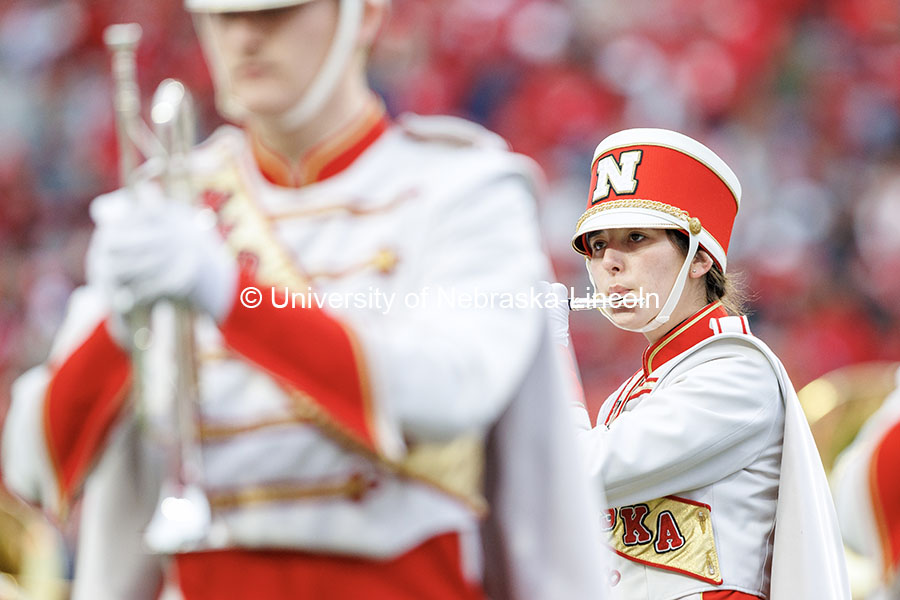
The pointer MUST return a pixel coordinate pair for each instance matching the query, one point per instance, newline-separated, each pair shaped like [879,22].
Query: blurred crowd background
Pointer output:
[800,97]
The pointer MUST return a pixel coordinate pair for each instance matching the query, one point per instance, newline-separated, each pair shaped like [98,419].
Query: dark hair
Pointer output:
[727,289]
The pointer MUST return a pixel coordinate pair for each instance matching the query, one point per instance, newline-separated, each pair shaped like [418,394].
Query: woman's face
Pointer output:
[642,264]
[270,57]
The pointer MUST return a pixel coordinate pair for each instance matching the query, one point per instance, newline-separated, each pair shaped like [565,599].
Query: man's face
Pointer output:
[270,57]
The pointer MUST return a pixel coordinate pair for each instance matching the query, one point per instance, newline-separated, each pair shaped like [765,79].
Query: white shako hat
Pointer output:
[662,179]
[222,6]
[325,81]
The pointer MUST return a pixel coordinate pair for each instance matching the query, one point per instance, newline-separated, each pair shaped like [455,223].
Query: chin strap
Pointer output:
[322,87]
[671,302]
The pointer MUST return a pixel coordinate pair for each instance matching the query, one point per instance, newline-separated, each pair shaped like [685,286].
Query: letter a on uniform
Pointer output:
[668,536]
[621,175]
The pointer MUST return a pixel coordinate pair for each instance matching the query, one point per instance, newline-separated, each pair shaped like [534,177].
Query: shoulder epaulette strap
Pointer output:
[450,130]
[731,324]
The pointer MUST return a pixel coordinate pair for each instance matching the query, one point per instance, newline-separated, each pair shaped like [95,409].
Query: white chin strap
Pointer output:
[321,88]
[665,313]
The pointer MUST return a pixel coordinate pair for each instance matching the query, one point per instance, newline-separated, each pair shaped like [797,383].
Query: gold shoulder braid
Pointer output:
[670,533]
[455,467]
[247,229]
[693,223]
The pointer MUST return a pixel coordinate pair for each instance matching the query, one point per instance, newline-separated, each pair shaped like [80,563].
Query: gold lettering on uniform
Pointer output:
[682,536]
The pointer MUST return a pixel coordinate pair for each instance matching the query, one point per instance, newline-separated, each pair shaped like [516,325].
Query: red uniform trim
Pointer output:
[631,396]
[680,338]
[431,571]
[884,487]
[668,568]
[683,336]
[619,402]
[344,158]
[311,351]
[640,393]
[727,595]
[84,397]
[323,160]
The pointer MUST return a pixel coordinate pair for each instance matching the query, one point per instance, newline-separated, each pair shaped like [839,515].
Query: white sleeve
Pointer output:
[450,366]
[710,421]
[27,469]
[580,417]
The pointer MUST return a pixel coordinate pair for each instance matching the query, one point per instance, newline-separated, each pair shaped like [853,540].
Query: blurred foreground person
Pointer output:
[368,392]
[867,493]
[714,486]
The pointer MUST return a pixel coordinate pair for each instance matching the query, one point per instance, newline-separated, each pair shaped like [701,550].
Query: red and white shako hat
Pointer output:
[658,178]
[661,179]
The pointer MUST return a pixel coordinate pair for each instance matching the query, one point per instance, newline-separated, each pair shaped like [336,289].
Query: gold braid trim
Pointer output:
[693,223]
[455,467]
[248,229]
[350,208]
[354,487]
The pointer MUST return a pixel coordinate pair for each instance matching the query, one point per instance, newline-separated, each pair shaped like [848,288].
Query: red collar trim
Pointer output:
[683,336]
[326,159]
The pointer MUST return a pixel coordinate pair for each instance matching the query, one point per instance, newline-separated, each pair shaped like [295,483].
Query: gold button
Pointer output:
[385,260]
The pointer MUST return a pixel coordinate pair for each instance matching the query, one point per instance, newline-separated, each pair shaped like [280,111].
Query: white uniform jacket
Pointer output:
[348,413]
[701,453]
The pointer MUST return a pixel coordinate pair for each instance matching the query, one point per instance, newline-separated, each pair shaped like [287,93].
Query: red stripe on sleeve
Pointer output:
[83,399]
[727,595]
[311,351]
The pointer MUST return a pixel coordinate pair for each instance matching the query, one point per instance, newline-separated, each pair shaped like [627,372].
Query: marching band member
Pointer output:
[867,495]
[713,483]
[361,410]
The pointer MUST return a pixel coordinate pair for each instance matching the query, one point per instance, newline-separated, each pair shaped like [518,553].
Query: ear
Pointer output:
[701,264]
[375,14]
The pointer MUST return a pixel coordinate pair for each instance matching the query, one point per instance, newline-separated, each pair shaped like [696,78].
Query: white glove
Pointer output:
[149,247]
[556,303]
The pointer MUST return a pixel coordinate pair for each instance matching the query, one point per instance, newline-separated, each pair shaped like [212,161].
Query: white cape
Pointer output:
[808,559]
[543,539]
